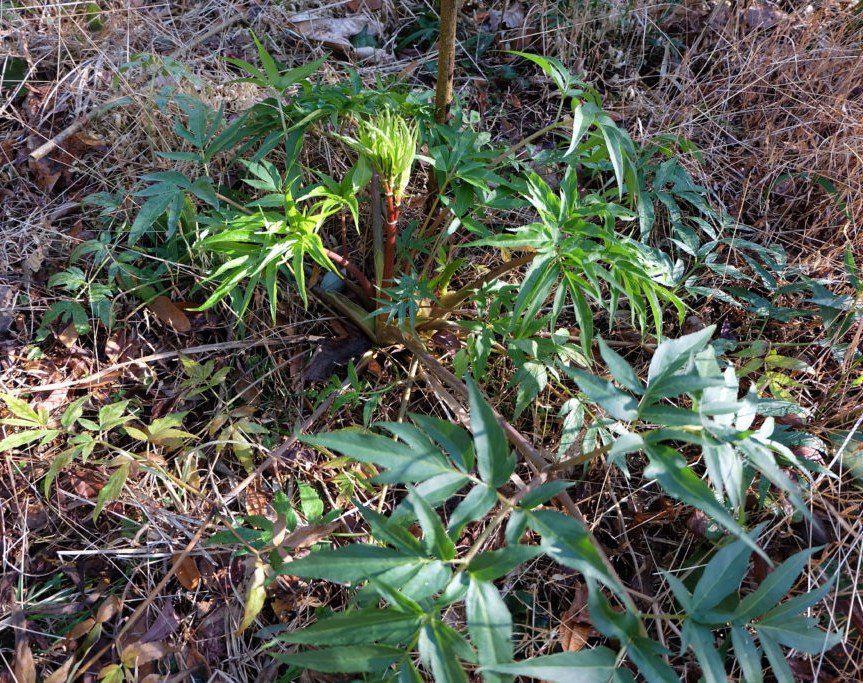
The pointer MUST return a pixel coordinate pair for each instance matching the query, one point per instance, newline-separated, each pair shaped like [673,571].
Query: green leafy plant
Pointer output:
[455,479]
[388,144]
[715,604]
[90,440]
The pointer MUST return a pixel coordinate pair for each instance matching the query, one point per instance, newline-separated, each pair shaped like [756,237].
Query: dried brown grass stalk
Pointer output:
[775,100]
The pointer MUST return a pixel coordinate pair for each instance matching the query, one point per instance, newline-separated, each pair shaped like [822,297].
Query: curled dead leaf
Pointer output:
[68,336]
[255,596]
[138,654]
[575,625]
[108,609]
[187,571]
[170,314]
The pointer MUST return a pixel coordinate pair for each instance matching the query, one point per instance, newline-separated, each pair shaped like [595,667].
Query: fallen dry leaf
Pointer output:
[117,346]
[256,501]
[575,625]
[371,5]
[138,654]
[24,668]
[333,32]
[54,400]
[187,572]
[84,484]
[170,314]
[108,609]
[68,336]
[80,630]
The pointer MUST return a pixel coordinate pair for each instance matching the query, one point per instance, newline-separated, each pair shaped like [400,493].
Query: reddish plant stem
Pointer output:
[344,235]
[357,274]
[390,239]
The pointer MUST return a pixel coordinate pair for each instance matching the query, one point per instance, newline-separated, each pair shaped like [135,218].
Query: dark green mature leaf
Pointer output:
[357,627]
[800,633]
[494,564]
[620,369]
[586,666]
[449,436]
[567,542]
[773,588]
[723,574]
[400,601]
[479,500]
[344,659]
[494,460]
[543,493]
[436,491]
[671,471]
[622,626]
[700,639]
[780,668]
[153,209]
[439,647]
[799,603]
[490,626]
[350,563]
[617,403]
[647,656]
[389,531]
[416,580]
[437,543]
[748,656]
[403,463]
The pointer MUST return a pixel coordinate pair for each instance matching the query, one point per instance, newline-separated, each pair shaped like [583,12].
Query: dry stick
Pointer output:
[50,145]
[530,138]
[533,456]
[446,59]
[153,357]
[455,298]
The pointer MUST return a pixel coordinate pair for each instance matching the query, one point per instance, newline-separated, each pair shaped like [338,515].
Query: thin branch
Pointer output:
[446,59]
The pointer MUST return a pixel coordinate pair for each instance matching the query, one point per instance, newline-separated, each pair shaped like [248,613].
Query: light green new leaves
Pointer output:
[389,143]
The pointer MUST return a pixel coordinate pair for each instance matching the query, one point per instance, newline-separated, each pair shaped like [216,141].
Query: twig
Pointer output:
[139,611]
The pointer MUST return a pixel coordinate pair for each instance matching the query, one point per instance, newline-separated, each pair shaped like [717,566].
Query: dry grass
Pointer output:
[775,109]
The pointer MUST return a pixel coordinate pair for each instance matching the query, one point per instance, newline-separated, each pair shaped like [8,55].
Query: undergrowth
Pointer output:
[595,239]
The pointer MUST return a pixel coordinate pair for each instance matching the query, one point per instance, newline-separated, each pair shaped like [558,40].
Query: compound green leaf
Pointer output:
[490,626]
[586,666]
